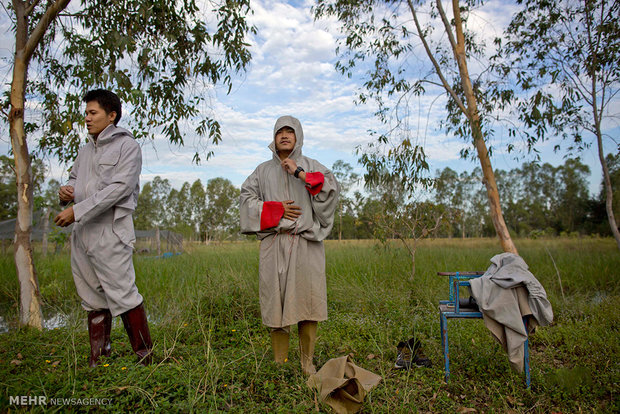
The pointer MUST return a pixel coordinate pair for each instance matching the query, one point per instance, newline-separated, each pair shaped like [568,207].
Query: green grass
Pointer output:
[213,354]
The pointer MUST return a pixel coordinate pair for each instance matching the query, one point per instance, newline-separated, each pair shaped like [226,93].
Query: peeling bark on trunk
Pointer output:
[30,299]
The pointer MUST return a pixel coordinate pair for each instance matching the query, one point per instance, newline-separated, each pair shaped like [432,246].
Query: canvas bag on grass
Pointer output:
[343,385]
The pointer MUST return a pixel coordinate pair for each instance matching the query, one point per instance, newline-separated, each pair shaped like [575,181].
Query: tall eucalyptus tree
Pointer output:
[162,57]
[388,40]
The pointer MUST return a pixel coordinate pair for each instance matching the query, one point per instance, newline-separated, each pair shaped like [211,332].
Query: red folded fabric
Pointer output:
[314,182]
[271,214]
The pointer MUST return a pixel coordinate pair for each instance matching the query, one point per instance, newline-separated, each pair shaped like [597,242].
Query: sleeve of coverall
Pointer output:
[250,205]
[324,202]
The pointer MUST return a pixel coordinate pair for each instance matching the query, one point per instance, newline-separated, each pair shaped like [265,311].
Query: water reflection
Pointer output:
[58,320]
[54,321]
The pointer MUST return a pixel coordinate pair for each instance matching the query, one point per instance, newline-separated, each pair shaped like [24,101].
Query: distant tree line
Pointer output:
[198,212]
[539,200]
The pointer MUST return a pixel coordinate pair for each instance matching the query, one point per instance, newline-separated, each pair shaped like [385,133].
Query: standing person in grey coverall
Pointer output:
[289,203]
[104,187]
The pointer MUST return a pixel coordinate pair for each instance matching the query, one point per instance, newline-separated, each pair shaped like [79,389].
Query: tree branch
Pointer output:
[71,15]
[39,31]
[31,7]
[593,52]
[575,79]
[446,24]
[431,82]
[444,82]
[402,239]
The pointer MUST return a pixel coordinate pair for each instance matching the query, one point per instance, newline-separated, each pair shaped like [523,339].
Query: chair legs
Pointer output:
[443,322]
[526,356]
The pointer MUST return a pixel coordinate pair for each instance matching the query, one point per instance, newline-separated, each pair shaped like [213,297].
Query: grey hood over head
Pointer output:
[291,122]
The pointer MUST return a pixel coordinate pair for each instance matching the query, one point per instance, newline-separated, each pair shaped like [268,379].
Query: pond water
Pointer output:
[58,320]
[52,321]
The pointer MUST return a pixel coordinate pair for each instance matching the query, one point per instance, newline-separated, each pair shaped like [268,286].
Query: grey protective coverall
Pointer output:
[105,178]
[292,285]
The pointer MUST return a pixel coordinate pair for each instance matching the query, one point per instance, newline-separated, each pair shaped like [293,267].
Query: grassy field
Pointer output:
[213,354]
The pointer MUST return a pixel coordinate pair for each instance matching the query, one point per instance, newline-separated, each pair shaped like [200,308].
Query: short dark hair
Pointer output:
[108,100]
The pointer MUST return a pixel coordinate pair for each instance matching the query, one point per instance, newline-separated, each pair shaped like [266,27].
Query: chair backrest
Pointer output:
[456,280]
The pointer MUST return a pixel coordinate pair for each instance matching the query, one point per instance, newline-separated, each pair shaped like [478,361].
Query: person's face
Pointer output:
[97,119]
[285,139]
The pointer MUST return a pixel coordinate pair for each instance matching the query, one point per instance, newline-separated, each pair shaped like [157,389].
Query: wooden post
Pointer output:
[157,241]
[46,229]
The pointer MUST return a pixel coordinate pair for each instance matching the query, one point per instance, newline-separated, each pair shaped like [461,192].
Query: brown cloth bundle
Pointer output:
[343,385]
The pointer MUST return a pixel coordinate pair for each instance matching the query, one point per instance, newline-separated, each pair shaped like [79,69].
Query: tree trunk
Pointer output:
[413,266]
[483,155]
[599,139]
[492,193]
[411,249]
[25,46]
[609,207]
[30,299]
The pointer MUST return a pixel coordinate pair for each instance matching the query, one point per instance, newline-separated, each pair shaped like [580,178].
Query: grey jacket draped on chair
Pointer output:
[505,293]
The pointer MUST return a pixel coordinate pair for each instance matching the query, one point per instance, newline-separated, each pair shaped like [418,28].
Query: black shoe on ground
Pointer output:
[410,354]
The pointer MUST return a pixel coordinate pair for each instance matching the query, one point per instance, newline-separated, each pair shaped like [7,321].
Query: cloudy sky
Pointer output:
[292,73]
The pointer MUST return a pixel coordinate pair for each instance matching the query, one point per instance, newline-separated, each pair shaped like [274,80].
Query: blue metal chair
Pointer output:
[452,309]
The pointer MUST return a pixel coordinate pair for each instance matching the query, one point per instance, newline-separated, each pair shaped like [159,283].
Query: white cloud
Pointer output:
[292,72]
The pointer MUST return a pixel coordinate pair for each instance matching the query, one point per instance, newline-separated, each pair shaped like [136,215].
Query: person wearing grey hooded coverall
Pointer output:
[103,187]
[289,203]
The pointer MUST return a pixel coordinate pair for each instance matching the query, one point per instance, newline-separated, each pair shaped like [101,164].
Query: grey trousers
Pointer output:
[102,267]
